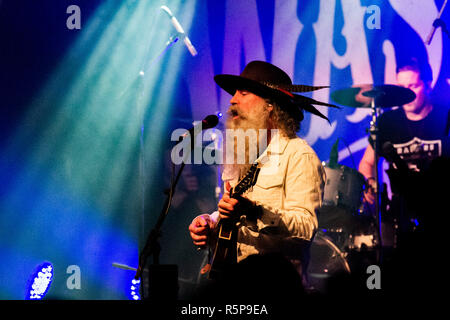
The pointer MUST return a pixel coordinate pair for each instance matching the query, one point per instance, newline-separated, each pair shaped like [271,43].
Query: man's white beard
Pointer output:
[256,120]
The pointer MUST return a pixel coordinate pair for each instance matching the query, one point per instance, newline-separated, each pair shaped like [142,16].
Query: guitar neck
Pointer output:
[225,246]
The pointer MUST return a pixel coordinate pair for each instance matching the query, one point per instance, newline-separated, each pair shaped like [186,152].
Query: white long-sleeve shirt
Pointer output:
[289,189]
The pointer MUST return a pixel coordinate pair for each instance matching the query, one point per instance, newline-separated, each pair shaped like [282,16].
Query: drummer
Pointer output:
[410,138]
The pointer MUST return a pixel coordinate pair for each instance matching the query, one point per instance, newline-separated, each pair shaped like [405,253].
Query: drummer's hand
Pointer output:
[369,197]
[199,229]
[369,193]
[231,206]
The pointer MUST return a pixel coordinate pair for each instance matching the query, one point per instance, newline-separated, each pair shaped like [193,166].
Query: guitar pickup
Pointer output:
[224,235]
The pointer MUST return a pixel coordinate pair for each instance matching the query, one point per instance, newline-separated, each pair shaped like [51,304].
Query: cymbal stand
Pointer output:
[373,131]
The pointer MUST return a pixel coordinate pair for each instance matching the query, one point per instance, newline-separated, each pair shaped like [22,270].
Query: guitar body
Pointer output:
[225,248]
[226,242]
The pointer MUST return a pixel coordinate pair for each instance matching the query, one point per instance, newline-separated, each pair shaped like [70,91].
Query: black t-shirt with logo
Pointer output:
[423,147]
[417,143]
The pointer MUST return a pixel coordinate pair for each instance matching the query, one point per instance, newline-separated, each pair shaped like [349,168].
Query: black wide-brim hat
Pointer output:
[268,81]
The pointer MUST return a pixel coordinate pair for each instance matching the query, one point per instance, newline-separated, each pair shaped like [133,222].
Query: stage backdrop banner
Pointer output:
[84,133]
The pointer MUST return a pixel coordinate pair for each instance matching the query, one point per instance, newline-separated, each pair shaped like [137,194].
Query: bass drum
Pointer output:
[326,261]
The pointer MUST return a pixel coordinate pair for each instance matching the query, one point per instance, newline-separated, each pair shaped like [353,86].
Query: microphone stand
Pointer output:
[438,22]
[151,246]
[165,285]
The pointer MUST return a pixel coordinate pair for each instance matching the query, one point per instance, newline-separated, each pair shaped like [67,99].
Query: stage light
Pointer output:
[39,282]
[83,130]
[219,114]
[134,289]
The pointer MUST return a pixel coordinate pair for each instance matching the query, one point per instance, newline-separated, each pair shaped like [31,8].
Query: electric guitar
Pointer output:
[225,244]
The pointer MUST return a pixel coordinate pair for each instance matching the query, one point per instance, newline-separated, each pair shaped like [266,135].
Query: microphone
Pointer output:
[180,30]
[391,155]
[209,122]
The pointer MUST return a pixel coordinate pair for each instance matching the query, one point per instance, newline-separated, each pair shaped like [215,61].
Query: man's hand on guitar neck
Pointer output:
[233,206]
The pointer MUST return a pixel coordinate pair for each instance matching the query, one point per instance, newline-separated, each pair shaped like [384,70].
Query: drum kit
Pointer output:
[349,237]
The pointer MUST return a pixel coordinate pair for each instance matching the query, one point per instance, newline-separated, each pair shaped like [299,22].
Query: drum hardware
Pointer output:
[344,188]
[374,97]
[361,242]
[339,236]
[333,230]
[326,261]
[349,237]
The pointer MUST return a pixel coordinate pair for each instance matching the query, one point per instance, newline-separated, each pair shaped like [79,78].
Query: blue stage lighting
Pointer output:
[39,282]
[219,114]
[134,289]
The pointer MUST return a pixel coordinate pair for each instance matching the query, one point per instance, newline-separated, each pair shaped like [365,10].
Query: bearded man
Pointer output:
[278,214]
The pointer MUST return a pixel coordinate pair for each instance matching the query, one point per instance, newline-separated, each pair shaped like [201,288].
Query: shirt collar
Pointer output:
[277,145]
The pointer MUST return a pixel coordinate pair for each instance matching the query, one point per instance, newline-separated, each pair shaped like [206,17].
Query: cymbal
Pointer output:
[385,95]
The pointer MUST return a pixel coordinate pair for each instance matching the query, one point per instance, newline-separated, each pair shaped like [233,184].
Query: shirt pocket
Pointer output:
[269,190]
[267,182]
